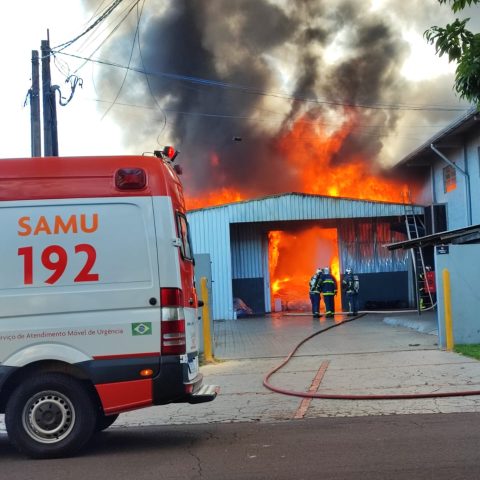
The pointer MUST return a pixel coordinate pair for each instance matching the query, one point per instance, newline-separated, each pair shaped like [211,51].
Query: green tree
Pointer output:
[463,47]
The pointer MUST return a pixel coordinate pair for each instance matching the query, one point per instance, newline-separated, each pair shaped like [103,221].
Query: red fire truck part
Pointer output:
[98,308]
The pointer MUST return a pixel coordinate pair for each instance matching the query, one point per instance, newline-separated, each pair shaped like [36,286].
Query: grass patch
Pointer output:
[468,350]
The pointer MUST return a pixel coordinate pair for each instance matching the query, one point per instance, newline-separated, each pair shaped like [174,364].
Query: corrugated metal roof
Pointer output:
[302,206]
[457,127]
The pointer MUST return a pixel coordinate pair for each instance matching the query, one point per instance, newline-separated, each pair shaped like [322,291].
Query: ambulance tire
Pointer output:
[51,415]
[104,421]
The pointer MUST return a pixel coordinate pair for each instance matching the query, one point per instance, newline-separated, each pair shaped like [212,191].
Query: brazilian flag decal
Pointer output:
[143,328]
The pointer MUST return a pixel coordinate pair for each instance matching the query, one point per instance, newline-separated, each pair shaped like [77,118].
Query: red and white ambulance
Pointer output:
[98,309]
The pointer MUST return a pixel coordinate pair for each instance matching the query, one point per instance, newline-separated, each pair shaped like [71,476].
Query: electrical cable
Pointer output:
[95,13]
[74,81]
[139,16]
[73,78]
[325,396]
[214,83]
[150,87]
[100,19]
[124,15]
[268,112]
[61,66]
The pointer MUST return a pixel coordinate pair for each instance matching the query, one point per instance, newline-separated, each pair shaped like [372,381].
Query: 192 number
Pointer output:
[55,259]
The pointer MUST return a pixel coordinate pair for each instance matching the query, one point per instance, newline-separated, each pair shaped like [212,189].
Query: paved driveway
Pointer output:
[365,356]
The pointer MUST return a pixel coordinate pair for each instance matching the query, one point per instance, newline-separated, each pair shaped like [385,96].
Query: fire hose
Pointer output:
[401,396]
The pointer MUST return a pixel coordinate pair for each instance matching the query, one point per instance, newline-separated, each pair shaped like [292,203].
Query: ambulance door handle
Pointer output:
[152,301]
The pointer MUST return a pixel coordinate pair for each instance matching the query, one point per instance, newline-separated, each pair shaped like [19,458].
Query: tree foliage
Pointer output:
[463,47]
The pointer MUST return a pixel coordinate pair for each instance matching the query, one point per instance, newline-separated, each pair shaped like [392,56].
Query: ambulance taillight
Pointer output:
[173,322]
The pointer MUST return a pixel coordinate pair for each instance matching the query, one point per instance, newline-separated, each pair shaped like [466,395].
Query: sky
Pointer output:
[24,24]
[264,65]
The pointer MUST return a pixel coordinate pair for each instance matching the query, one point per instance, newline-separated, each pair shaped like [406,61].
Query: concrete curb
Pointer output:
[423,326]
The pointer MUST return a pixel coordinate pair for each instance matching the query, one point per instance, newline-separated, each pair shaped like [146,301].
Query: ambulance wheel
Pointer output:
[104,421]
[51,415]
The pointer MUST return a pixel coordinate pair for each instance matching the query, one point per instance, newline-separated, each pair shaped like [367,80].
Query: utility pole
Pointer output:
[50,134]
[36,138]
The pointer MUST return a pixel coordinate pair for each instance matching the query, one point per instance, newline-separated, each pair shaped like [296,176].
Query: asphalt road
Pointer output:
[413,447]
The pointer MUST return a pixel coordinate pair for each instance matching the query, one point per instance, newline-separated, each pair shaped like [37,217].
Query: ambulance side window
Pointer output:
[184,234]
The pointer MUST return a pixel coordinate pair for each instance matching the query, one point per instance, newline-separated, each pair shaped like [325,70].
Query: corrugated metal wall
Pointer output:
[211,234]
[247,252]
[361,248]
[249,248]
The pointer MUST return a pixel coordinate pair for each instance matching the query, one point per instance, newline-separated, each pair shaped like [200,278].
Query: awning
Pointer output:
[460,236]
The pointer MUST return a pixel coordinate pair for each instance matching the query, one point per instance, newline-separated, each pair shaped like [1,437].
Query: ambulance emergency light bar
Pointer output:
[168,153]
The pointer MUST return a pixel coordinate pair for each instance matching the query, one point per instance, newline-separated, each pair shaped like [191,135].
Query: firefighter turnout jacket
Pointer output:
[328,285]
[351,283]
[315,283]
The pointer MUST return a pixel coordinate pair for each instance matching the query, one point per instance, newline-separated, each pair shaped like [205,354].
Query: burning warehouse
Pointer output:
[263,251]
[314,100]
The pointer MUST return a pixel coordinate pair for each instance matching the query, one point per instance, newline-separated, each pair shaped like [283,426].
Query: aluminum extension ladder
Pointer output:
[413,225]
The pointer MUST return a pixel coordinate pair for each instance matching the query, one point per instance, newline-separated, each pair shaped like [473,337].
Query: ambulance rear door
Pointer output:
[82,273]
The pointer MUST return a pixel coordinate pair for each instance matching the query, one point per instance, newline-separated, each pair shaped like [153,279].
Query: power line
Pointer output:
[100,19]
[123,15]
[270,113]
[225,85]
[151,90]
[95,12]
[139,16]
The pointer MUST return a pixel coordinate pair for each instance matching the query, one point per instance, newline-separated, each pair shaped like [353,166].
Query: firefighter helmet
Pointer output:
[348,271]
[326,270]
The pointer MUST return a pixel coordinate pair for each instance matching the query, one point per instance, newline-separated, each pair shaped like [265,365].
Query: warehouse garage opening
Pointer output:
[293,257]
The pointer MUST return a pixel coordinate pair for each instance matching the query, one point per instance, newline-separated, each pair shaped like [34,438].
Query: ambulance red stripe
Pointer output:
[126,355]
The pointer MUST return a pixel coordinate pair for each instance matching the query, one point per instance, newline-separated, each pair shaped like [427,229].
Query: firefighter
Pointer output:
[351,287]
[329,290]
[428,290]
[314,290]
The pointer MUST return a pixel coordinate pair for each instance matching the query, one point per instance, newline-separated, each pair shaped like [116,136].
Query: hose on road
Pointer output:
[401,396]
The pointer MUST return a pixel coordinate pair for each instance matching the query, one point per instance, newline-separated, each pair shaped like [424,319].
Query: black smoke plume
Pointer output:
[263,65]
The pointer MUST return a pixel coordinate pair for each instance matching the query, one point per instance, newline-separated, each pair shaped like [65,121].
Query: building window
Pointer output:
[449,179]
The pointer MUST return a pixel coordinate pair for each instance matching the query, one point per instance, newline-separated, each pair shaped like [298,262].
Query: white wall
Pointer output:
[455,199]
[474,172]
[463,263]
[467,158]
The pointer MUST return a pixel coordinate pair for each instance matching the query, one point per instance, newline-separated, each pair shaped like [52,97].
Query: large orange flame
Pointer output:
[313,153]
[220,197]
[294,257]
